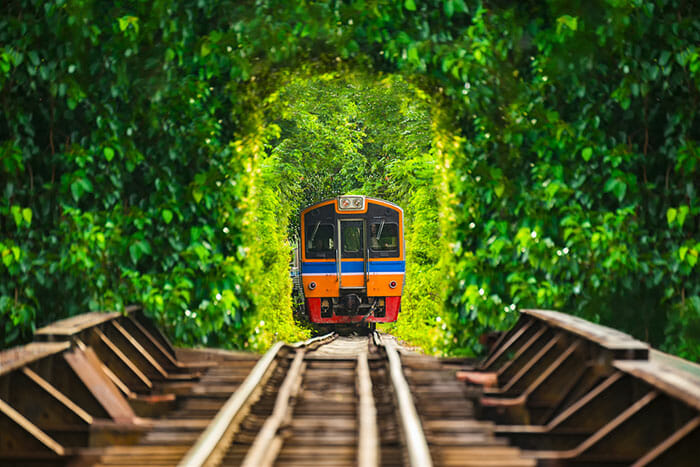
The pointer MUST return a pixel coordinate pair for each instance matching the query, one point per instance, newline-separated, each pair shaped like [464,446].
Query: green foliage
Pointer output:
[573,194]
[569,154]
[118,180]
[268,248]
[337,133]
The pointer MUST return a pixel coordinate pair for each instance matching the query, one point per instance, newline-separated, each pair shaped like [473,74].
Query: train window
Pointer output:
[384,237]
[320,241]
[351,236]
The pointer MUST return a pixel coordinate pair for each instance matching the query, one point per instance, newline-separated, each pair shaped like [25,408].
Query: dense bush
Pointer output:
[569,146]
[119,183]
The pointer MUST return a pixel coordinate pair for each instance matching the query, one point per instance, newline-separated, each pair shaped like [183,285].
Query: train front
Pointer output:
[353,260]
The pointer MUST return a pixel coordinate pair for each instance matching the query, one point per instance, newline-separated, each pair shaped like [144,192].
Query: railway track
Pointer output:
[108,389]
[347,402]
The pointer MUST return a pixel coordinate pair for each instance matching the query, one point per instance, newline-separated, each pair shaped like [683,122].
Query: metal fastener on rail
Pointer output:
[416,444]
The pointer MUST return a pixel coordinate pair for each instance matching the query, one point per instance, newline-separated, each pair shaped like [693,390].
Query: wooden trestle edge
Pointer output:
[571,392]
[103,379]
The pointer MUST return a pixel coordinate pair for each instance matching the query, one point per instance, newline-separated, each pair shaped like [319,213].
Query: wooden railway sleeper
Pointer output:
[212,444]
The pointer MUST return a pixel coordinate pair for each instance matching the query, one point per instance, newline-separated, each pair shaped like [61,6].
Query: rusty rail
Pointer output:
[414,438]
[267,444]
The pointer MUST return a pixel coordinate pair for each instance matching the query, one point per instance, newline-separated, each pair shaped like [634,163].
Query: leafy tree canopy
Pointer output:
[564,136]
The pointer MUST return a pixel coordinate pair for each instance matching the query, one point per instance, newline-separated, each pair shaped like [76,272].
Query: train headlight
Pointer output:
[392,284]
[312,285]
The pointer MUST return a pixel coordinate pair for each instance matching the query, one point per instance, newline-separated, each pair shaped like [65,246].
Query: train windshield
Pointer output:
[352,239]
[320,241]
[384,236]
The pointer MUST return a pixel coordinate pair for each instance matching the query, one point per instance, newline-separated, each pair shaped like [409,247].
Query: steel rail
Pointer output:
[368,435]
[206,450]
[267,443]
[314,341]
[414,437]
[376,339]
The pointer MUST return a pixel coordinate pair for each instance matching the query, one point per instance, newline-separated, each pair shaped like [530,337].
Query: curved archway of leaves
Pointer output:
[338,132]
[575,186]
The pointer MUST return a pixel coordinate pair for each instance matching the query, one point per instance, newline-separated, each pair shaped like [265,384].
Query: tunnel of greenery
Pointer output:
[153,152]
[338,133]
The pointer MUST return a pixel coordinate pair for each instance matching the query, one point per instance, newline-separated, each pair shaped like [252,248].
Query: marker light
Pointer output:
[351,203]
[312,285]
[392,284]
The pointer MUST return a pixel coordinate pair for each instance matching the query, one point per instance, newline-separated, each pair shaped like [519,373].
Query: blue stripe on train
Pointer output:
[353,266]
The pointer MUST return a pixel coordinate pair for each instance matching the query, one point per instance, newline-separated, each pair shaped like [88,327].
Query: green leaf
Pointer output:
[205,49]
[134,252]
[412,54]
[125,21]
[109,153]
[5,63]
[34,58]
[671,215]
[79,187]
[499,189]
[197,195]
[167,215]
[7,257]
[409,5]
[617,187]
[17,214]
[138,249]
[586,154]
[27,215]
[569,21]
[449,8]
[692,257]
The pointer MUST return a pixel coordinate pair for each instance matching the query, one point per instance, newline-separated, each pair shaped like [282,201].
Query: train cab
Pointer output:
[352,260]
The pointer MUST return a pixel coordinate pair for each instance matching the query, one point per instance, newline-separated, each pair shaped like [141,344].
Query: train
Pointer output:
[351,261]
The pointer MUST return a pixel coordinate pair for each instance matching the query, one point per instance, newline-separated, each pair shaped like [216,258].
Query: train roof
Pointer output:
[338,198]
